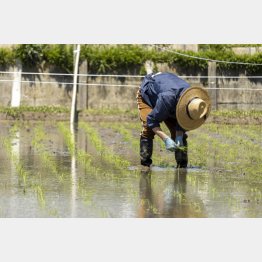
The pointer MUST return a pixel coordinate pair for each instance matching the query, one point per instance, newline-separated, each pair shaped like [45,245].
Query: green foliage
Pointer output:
[104,58]
[6,57]
[30,55]
[60,56]
[214,47]
[128,58]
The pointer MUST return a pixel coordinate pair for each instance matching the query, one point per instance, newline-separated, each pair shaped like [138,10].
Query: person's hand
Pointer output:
[170,144]
[179,141]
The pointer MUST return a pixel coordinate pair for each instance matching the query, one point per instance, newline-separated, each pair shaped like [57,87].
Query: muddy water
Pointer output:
[54,183]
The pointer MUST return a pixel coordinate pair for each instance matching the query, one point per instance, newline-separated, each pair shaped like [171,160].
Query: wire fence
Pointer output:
[192,79]
[106,90]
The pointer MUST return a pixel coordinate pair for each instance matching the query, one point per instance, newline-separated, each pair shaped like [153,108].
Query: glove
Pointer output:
[170,144]
[179,141]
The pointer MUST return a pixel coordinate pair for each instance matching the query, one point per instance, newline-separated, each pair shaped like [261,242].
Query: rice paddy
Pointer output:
[48,172]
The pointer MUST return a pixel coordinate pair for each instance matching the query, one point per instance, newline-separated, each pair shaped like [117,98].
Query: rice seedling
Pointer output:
[14,157]
[40,195]
[45,156]
[82,157]
[89,163]
[106,154]
[238,150]
[159,159]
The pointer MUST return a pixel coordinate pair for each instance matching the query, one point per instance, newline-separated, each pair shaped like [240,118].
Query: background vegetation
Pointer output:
[126,58]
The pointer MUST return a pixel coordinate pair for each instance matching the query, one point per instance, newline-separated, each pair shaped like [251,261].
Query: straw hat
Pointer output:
[193,108]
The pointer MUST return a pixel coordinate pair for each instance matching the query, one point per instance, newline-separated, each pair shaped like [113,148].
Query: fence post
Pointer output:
[212,83]
[83,89]
[74,91]
[16,88]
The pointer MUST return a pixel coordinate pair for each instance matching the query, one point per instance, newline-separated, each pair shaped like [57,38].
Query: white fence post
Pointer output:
[16,88]
[73,105]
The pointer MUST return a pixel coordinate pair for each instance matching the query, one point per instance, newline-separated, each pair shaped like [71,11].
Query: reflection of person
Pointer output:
[167,203]
[176,207]
[164,97]
[172,201]
[145,206]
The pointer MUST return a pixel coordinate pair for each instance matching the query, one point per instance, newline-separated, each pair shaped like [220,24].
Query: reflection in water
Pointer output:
[15,151]
[163,192]
[145,207]
[172,201]
[73,176]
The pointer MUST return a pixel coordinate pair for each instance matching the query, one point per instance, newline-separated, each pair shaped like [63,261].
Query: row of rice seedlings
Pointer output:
[158,158]
[125,133]
[235,157]
[197,154]
[131,190]
[245,144]
[213,186]
[48,161]
[231,153]
[108,155]
[205,150]
[214,144]
[200,147]
[7,145]
[45,156]
[88,163]
[128,135]
[130,132]
[236,133]
[255,130]
[243,149]
[82,157]
[22,172]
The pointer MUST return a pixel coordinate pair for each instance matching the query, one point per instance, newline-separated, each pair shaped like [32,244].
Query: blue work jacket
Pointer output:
[161,92]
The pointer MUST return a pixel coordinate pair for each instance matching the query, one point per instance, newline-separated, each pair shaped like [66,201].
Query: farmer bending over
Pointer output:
[164,97]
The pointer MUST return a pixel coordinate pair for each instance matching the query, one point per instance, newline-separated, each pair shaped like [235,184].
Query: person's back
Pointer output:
[154,85]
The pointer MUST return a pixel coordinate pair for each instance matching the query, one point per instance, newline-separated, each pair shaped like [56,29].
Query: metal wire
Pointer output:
[120,76]
[121,85]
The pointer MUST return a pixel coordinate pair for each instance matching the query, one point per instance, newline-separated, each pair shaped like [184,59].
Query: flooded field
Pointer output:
[47,172]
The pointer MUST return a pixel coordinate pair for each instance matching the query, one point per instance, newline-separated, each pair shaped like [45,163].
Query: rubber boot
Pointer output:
[146,150]
[181,155]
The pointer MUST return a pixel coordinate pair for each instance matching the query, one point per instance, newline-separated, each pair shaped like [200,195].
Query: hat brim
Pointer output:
[182,116]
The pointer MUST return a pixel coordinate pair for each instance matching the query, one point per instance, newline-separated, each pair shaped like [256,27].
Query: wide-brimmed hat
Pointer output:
[193,108]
